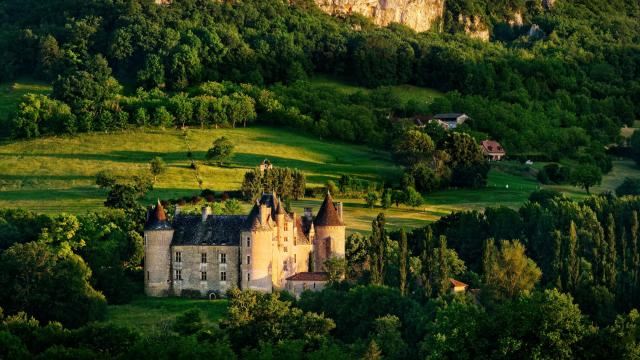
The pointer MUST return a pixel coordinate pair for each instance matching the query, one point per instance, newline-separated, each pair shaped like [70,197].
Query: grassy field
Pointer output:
[148,315]
[404,92]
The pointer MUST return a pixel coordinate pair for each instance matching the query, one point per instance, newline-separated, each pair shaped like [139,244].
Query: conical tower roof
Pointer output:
[157,218]
[328,214]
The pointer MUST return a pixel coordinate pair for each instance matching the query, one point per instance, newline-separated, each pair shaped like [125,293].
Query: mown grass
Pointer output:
[403,92]
[148,315]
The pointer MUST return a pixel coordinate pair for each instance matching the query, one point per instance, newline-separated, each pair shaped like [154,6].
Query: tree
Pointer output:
[152,73]
[48,286]
[254,317]
[158,167]
[412,198]
[508,272]
[188,323]
[387,335]
[377,253]
[371,199]
[413,147]
[356,251]
[586,176]
[386,198]
[232,207]
[163,118]
[630,186]
[336,267]
[240,108]
[221,151]
[634,143]
[403,256]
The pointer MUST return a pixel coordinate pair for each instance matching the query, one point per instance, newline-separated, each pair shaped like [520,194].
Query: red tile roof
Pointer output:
[492,146]
[457,283]
[309,276]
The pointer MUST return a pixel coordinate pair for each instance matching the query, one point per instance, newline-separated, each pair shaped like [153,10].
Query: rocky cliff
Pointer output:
[419,15]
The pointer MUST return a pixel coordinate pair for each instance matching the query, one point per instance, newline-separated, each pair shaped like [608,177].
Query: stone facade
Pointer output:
[212,253]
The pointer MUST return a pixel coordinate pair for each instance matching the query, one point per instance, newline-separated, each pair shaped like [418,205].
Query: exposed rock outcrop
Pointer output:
[474,27]
[419,15]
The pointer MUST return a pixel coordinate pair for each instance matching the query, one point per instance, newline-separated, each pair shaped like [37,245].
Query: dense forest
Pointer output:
[561,91]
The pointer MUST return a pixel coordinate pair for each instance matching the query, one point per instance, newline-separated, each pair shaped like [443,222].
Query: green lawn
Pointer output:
[404,92]
[148,314]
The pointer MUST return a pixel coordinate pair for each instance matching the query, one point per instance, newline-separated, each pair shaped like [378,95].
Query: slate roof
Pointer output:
[303,226]
[216,230]
[309,276]
[328,214]
[448,116]
[157,219]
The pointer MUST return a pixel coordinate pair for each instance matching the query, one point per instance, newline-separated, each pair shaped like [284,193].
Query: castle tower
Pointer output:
[329,239]
[256,250]
[158,234]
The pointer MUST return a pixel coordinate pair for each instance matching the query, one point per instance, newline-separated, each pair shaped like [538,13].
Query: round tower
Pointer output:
[329,239]
[256,250]
[158,234]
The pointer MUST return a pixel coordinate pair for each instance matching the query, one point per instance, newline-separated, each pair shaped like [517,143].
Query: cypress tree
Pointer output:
[572,261]
[378,249]
[635,255]
[426,259]
[611,256]
[442,279]
[404,254]
[556,263]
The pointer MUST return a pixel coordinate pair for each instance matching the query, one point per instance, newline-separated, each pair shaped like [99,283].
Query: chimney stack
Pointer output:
[339,209]
[206,211]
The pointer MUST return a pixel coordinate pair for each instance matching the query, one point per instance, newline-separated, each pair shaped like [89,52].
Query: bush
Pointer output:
[630,186]
[553,174]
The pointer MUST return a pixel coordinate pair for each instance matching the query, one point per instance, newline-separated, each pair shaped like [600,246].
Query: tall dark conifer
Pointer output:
[403,257]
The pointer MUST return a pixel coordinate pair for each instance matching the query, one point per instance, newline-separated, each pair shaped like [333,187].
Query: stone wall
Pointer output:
[192,267]
[419,15]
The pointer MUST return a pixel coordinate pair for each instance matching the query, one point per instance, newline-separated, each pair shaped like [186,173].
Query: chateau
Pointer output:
[212,253]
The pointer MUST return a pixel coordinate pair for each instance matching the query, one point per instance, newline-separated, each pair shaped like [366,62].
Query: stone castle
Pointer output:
[212,253]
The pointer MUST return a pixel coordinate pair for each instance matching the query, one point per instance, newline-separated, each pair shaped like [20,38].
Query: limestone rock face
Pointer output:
[474,27]
[419,15]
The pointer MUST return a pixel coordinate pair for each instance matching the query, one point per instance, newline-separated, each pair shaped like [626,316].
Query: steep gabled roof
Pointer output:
[457,283]
[328,214]
[157,219]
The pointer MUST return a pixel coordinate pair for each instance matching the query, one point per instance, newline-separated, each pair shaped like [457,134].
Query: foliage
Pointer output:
[586,176]
[157,167]
[49,286]
[630,186]
[287,182]
[221,151]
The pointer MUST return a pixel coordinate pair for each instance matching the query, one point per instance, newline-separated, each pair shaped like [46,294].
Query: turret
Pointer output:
[158,234]
[255,250]
[329,239]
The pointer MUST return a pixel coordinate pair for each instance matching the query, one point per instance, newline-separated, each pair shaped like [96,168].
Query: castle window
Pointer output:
[178,256]
[295,258]
[145,239]
[286,239]
[223,258]
[248,259]
[178,274]
[203,275]
[285,249]
[147,275]
[248,276]
[248,242]
[284,265]
[223,276]
[286,226]
[203,258]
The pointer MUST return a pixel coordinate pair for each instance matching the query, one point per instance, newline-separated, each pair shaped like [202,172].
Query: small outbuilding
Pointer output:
[302,281]
[451,120]
[493,150]
[265,165]
[458,287]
